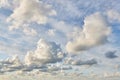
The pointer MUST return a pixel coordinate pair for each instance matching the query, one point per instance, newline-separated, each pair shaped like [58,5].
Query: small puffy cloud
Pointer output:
[95,32]
[30,11]
[29,31]
[113,15]
[46,52]
[51,32]
[111,54]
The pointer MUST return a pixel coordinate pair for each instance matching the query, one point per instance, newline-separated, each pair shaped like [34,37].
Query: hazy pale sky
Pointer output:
[81,36]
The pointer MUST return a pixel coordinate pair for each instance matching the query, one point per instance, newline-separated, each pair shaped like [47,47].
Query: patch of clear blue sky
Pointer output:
[3,55]
[5,11]
[115,25]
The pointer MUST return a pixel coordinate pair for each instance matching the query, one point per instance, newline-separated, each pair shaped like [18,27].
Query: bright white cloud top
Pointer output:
[59,38]
[46,52]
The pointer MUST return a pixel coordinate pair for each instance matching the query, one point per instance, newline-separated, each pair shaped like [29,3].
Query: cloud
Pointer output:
[29,31]
[95,32]
[45,55]
[9,4]
[111,54]
[81,62]
[46,52]
[113,15]
[4,3]
[28,12]
[54,68]
[114,74]
[51,32]
[69,16]
[11,64]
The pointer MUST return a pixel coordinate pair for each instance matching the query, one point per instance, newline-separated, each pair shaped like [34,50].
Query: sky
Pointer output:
[79,36]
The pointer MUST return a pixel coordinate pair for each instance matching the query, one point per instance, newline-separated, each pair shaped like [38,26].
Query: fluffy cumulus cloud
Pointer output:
[46,52]
[30,11]
[95,32]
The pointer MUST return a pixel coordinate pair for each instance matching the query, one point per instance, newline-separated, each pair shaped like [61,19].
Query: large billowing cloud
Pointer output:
[30,11]
[95,32]
[46,52]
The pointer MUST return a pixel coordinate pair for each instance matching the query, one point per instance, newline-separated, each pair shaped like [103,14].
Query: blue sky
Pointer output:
[67,23]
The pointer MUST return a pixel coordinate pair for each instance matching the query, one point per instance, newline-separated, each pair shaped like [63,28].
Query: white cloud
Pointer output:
[16,61]
[11,64]
[29,31]
[51,32]
[80,62]
[4,3]
[30,11]
[113,15]
[95,32]
[46,52]
[115,74]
